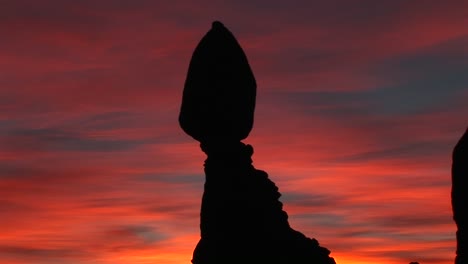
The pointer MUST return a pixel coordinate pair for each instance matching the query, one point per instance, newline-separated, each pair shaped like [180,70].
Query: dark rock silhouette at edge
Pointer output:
[242,220]
[460,197]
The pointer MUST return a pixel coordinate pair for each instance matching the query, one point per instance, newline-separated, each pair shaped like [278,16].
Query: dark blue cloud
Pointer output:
[310,200]
[62,140]
[40,254]
[135,235]
[394,149]
[77,134]
[325,220]
[173,178]
[411,221]
[337,105]
[424,80]
[110,120]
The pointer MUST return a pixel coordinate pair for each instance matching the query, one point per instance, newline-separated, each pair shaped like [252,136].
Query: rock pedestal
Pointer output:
[242,220]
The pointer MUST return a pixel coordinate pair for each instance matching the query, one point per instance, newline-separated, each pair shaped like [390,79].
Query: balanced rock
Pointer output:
[219,94]
[242,218]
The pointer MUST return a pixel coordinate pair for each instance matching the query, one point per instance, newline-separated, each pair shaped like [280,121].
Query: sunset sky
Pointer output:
[359,104]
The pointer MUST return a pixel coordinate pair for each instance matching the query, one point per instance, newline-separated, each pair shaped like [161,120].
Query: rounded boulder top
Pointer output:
[216,24]
[218,101]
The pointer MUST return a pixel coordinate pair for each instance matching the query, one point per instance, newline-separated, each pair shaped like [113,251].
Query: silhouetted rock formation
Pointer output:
[460,197]
[219,94]
[242,220]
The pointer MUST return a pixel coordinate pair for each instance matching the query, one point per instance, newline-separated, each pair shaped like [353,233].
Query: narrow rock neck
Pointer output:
[231,156]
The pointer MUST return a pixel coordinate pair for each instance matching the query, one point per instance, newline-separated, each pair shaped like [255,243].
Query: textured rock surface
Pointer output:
[219,93]
[460,197]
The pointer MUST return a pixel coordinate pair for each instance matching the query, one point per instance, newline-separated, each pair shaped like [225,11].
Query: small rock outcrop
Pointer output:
[242,219]
[460,197]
